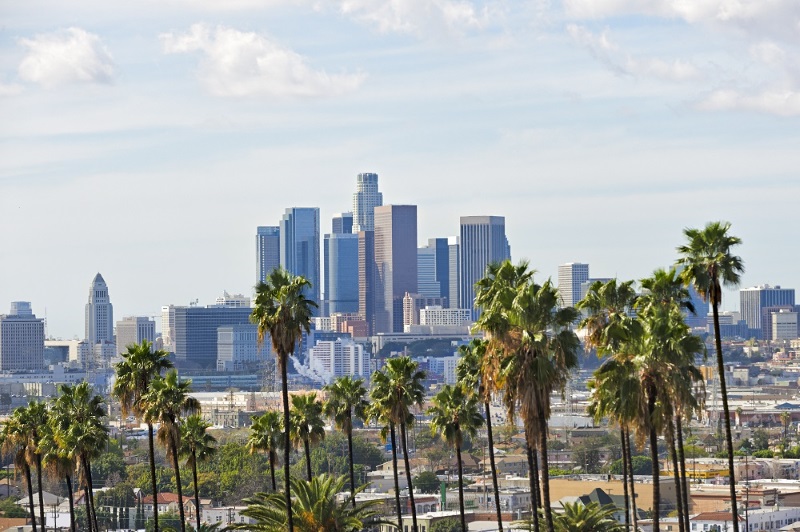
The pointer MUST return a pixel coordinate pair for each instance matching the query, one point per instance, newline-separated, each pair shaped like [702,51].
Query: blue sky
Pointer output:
[147,140]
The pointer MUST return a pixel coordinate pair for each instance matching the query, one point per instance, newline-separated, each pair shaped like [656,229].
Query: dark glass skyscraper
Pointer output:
[300,246]
[483,241]
[268,250]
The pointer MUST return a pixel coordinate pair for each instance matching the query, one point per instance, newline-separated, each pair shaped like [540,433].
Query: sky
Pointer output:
[146,140]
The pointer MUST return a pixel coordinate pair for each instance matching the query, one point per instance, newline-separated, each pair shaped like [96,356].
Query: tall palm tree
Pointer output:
[708,265]
[266,434]
[15,442]
[315,506]
[283,312]
[307,425]
[196,445]
[140,365]
[166,403]
[379,412]
[609,324]
[455,414]
[79,428]
[58,462]
[31,421]
[346,398]
[578,517]
[534,352]
[469,371]
[398,389]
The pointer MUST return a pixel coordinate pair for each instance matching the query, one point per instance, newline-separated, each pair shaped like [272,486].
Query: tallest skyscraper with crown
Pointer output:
[365,199]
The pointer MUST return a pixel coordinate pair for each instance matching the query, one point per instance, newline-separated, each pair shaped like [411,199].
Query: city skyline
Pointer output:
[133,146]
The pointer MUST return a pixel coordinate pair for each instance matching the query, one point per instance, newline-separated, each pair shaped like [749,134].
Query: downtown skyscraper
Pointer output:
[395,263]
[268,250]
[365,199]
[483,242]
[570,278]
[99,313]
[300,246]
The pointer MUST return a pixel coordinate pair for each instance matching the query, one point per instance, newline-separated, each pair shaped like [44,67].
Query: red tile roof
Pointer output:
[166,498]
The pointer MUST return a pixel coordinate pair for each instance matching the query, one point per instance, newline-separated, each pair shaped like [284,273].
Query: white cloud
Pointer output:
[781,102]
[66,56]
[621,62]
[419,17]
[240,64]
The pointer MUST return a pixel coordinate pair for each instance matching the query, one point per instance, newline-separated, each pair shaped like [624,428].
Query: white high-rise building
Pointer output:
[437,316]
[570,278]
[168,328]
[365,199]
[332,359]
[232,300]
[238,349]
[134,330]
[784,325]
[99,313]
[21,339]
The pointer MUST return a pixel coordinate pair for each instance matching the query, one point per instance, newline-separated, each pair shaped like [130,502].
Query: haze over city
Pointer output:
[148,141]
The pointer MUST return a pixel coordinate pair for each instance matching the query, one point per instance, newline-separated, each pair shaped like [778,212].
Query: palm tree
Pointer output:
[609,324]
[398,389]
[315,507]
[283,312]
[266,434]
[166,403]
[79,428]
[307,425]
[454,414]
[30,423]
[533,350]
[58,462]
[347,397]
[379,411]
[708,264]
[469,371]
[140,365]
[578,517]
[196,445]
[15,441]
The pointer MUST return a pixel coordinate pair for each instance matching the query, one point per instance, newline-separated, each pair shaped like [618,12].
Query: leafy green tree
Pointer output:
[111,463]
[642,465]
[266,434]
[140,365]
[8,508]
[427,482]
[454,414]
[395,391]
[446,525]
[307,424]
[347,398]
[197,445]
[283,312]
[708,264]
[760,439]
[315,507]
[166,403]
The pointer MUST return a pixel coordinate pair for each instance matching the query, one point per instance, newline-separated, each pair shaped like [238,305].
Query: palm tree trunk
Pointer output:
[177,467]
[29,481]
[633,484]
[71,504]
[682,462]
[408,477]
[286,426]
[536,483]
[307,448]
[153,481]
[350,456]
[625,479]
[87,468]
[651,406]
[548,512]
[461,488]
[88,505]
[41,489]
[272,469]
[673,452]
[533,478]
[196,492]
[396,479]
[494,469]
[726,412]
